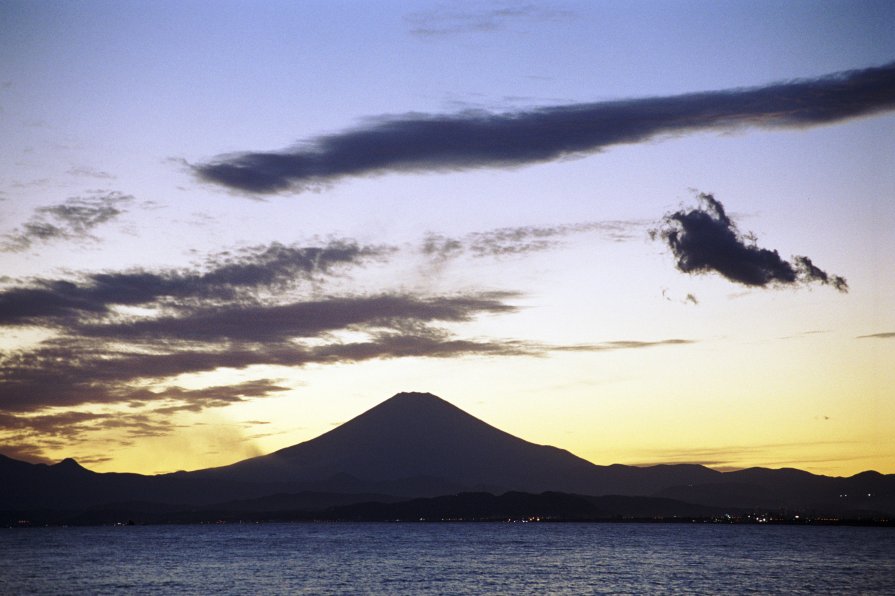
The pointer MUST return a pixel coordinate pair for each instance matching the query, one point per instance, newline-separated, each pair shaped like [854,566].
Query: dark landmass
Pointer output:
[517,506]
[462,507]
[416,456]
[479,506]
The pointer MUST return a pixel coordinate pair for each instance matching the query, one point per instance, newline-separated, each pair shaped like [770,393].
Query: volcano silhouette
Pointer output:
[417,439]
[417,445]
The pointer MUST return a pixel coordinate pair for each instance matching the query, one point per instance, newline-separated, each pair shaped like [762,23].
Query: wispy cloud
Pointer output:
[475,139]
[88,172]
[73,219]
[884,335]
[225,278]
[704,239]
[73,426]
[622,345]
[525,239]
[26,434]
[454,18]
[112,362]
[726,458]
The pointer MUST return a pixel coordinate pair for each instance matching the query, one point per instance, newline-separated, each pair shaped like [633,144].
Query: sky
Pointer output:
[644,232]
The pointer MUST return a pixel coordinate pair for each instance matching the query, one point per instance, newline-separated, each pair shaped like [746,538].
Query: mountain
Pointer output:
[419,444]
[68,485]
[416,445]
[868,494]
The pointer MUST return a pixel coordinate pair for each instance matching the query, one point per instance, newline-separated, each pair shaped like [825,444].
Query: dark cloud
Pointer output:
[106,362]
[80,214]
[435,344]
[282,322]
[425,343]
[808,272]
[225,278]
[72,220]
[705,240]
[195,400]
[427,143]
[64,425]
[442,248]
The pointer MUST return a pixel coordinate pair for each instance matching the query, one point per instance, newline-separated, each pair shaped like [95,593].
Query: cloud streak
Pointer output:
[705,239]
[99,362]
[524,239]
[475,139]
[442,21]
[883,335]
[226,278]
[72,220]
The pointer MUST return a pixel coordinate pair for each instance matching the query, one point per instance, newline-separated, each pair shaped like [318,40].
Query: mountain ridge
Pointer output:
[417,445]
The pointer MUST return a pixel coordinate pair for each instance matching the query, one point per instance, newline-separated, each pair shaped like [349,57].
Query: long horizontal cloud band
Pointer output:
[276,265]
[480,139]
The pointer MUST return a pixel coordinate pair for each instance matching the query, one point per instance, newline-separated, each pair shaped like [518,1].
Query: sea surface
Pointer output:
[448,558]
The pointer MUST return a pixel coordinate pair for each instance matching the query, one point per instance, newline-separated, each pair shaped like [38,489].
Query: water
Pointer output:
[448,558]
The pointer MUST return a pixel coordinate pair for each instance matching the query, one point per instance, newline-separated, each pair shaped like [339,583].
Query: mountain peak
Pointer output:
[406,410]
[69,465]
[412,394]
[409,408]
[406,396]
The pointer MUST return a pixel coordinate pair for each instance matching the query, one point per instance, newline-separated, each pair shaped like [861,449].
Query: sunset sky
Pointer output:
[644,232]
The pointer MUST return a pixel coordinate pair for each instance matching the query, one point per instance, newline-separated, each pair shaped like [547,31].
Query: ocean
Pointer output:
[448,558]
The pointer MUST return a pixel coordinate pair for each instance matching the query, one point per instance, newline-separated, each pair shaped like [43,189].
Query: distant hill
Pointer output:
[416,445]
